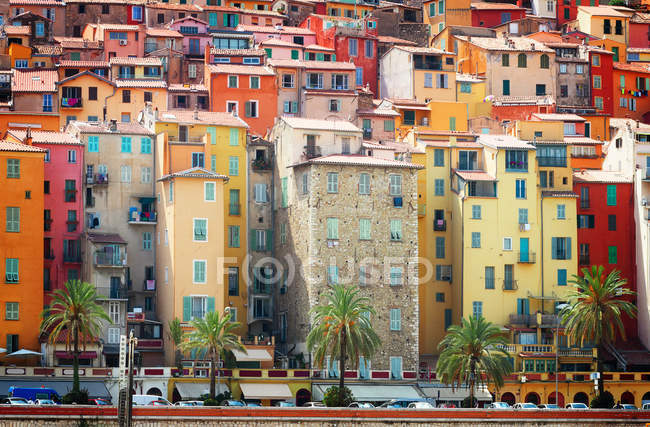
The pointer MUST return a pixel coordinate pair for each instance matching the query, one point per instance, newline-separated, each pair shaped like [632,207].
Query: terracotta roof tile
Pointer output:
[195,173]
[82,64]
[175,87]
[640,68]
[423,50]
[125,60]
[241,69]
[513,44]
[560,194]
[15,146]
[384,112]
[278,42]
[318,47]
[204,117]
[504,141]
[34,81]
[37,2]
[163,32]
[395,40]
[47,50]
[475,176]
[261,13]
[603,11]
[46,137]
[17,30]
[143,83]
[174,6]
[559,117]
[638,50]
[495,6]
[359,160]
[315,65]
[319,124]
[523,100]
[78,43]
[582,140]
[272,30]
[116,27]
[130,128]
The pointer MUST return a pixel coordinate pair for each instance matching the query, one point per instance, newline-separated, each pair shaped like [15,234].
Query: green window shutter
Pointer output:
[441,7]
[432,9]
[285,190]
[269,52]
[213,19]
[269,239]
[212,131]
[234,136]
[568,247]
[187,309]
[236,20]
[553,248]
[235,236]
[225,19]
[253,239]
[613,256]
[333,57]
[452,123]
[294,107]
[561,277]
[210,307]
[294,54]
[611,195]
[75,56]
[320,57]
[506,87]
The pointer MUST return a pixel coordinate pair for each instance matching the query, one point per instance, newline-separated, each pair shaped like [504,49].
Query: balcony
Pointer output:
[520,319]
[312,151]
[71,103]
[111,292]
[97,179]
[150,47]
[234,209]
[185,140]
[584,260]
[367,134]
[549,161]
[135,317]
[138,217]
[106,259]
[261,165]
[439,225]
[126,76]
[526,257]
[510,285]
[149,344]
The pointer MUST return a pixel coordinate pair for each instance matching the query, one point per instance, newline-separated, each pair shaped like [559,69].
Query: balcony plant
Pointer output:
[74,316]
[342,328]
[594,311]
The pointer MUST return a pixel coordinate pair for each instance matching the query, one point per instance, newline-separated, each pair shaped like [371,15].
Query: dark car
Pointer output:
[99,402]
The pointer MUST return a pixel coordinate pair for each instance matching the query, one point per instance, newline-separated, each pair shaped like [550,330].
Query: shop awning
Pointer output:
[447,394]
[96,389]
[253,355]
[265,391]
[372,392]
[82,355]
[196,390]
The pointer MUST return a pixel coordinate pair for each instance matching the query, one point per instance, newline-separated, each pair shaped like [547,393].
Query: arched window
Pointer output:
[543,61]
[521,60]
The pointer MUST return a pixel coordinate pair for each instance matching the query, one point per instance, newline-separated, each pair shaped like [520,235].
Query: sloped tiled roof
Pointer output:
[82,64]
[602,11]
[512,44]
[126,60]
[395,40]
[47,50]
[279,42]
[319,65]
[319,124]
[15,146]
[475,176]
[174,6]
[34,81]
[143,83]
[495,6]
[130,128]
[640,68]
[17,30]
[105,238]
[559,117]
[359,160]
[78,43]
[318,47]
[36,2]
[204,117]
[609,177]
[177,87]
[255,70]
[423,50]
[163,32]
[504,141]
[46,137]
[272,30]
[194,173]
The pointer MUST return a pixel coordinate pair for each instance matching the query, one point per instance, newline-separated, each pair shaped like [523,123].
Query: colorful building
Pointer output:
[602,80]
[605,22]
[120,40]
[568,10]
[630,92]
[439,15]
[21,252]
[489,15]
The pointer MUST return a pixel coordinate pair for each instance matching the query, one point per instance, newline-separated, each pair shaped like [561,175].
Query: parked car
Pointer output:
[400,403]
[498,405]
[160,402]
[313,405]
[15,401]
[233,402]
[44,402]
[576,405]
[253,404]
[420,405]
[285,404]
[99,402]
[626,407]
[185,403]
[361,405]
[33,393]
[146,399]
[646,407]
[525,405]
[548,406]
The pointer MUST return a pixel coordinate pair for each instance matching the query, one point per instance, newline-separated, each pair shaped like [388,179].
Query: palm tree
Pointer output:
[472,350]
[342,328]
[595,308]
[74,315]
[176,336]
[214,334]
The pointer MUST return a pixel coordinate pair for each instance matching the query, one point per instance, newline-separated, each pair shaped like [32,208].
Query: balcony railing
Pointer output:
[137,217]
[185,140]
[367,134]
[149,344]
[526,257]
[97,179]
[551,161]
[439,225]
[234,209]
[520,319]
[109,259]
[312,151]
[510,285]
[261,164]
[104,292]
[126,76]
[584,260]
[150,47]
[71,103]
[135,317]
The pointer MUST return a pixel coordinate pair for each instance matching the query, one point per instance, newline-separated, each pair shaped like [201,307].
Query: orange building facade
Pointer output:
[21,247]
[631,91]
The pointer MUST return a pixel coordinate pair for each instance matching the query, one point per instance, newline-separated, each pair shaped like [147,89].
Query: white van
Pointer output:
[146,399]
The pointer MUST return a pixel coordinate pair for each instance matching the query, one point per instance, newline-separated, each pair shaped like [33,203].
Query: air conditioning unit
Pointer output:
[123,42]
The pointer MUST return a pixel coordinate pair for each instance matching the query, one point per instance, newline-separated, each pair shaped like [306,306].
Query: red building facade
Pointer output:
[489,15]
[567,10]
[353,40]
[606,226]
[601,67]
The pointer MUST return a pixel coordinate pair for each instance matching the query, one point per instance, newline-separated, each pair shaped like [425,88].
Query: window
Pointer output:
[505,60]
[11,270]
[93,144]
[21,63]
[507,243]
[564,91]
[439,187]
[234,137]
[200,230]
[561,277]
[396,276]
[260,240]
[233,236]
[332,274]
[370,49]
[251,109]
[191,71]
[563,68]
[332,182]
[287,80]
[233,282]
[199,271]
[440,247]
[72,156]
[396,368]
[332,228]
[195,306]
[520,189]
[234,206]
[516,160]
[442,81]
[13,168]
[438,157]
[47,155]
[11,311]
[523,216]
[72,221]
[612,255]
[352,47]
[476,211]
[70,190]
[395,229]
[561,248]
[125,173]
[521,60]
[335,105]
[611,195]
[364,229]
[47,102]
[233,166]
[233,81]
[314,81]
[506,87]
[428,80]
[448,314]
[210,191]
[561,211]
[198,160]
[579,69]
[477,309]
[489,277]
[146,241]
[476,239]
[260,193]
[544,61]
[465,87]
[540,90]
[389,125]
[595,60]
[13,220]
[440,297]
[340,81]
[611,222]
[364,183]
[395,185]
[126,144]
[395,319]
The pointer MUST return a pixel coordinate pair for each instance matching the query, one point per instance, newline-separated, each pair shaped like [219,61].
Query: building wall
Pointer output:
[641,103]
[639,35]
[93,13]
[33,102]
[396,72]
[570,79]
[605,71]
[444,114]
[46,121]
[318,106]
[492,18]
[60,23]
[26,245]
[521,78]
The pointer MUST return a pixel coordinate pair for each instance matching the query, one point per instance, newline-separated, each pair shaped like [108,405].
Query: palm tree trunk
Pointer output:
[600,368]
[342,365]
[213,366]
[472,380]
[75,362]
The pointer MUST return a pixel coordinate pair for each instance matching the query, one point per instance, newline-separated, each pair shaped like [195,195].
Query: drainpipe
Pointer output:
[106,100]
[541,207]
[462,253]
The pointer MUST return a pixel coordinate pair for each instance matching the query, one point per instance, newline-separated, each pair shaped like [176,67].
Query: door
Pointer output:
[182,133]
[194,47]
[523,248]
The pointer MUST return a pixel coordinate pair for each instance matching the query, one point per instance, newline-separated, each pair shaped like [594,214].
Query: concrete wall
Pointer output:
[396,70]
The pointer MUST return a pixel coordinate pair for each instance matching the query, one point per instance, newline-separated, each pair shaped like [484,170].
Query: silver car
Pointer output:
[498,405]
[525,405]
[576,405]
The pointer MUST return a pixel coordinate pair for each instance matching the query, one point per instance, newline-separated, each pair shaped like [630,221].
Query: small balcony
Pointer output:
[439,225]
[149,344]
[71,103]
[111,292]
[261,165]
[526,257]
[549,161]
[126,76]
[97,179]
[150,47]
[107,259]
[133,317]
[584,259]
[367,134]
[312,151]
[145,218]
[520,319]
[510,285]
[234,209]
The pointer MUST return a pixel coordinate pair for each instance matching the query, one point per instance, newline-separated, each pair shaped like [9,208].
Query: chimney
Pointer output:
[28,137]
[113,126]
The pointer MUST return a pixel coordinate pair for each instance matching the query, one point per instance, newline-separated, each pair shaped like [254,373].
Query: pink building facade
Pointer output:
[195,35]
[300,36]
[119,40]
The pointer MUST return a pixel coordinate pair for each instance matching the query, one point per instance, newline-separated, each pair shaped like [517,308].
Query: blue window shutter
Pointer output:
[210,307]
[526,306]
[187,309]
[568,248]
[554,248]
[294,107]
[561,277]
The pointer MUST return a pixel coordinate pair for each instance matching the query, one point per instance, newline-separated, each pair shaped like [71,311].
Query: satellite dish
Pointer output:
[280,6]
